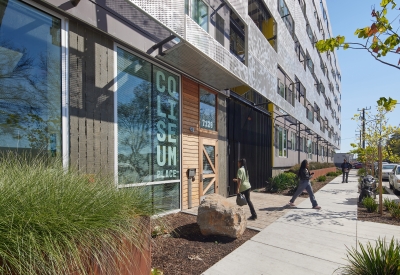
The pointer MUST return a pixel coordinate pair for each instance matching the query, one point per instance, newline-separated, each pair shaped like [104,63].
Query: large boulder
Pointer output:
[218,216]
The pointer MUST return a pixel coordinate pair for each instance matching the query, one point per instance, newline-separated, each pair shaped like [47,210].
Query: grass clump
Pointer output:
[56,222]
[382,258]
[370,204]
[283,182]
[395,211]
[389,204]
[321,178]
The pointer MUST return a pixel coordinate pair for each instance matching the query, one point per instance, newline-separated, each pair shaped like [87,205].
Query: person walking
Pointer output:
[304,183]
[243,185]
[345,170]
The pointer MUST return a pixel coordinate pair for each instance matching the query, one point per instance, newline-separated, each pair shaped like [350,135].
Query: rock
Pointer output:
[218,216]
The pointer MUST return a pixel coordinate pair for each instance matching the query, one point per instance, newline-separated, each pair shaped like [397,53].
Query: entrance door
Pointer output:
[208,166]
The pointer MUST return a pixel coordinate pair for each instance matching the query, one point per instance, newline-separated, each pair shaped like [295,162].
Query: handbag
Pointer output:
[241,200]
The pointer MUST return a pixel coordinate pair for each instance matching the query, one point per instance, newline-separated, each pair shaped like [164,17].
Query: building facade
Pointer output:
[148,91]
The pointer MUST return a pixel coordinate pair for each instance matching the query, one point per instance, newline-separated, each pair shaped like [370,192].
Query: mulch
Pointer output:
[181,249]
[364,215]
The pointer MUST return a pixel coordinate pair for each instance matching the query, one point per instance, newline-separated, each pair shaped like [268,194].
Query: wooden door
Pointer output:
[208,158]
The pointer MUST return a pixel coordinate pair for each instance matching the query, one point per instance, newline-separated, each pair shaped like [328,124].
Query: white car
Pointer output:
[394,179]
[387,169]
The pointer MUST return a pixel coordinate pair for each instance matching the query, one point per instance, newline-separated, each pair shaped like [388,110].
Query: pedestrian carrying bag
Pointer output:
[241,200]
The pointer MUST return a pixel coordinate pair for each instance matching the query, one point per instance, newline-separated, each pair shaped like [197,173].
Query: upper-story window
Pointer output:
[310,33]
[309,63]
[286,16]
[285,87]
[321,64]
[198,11]
[220,29]
[264,20]
[300,89]
[303,7]
[299,51]
[310,112]
[237,37]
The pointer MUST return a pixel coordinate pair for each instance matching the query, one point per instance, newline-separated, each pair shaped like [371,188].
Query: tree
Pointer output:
[381,37]
[377,131]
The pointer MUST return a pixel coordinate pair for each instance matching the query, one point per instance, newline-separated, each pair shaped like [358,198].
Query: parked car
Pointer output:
[386,170]
[394,179]
[357,165]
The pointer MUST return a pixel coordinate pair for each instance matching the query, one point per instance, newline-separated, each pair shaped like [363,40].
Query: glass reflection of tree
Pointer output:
[134,133]
[29,96]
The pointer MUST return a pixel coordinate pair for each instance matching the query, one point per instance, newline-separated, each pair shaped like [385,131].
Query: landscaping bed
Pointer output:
[364,215]
[181,249]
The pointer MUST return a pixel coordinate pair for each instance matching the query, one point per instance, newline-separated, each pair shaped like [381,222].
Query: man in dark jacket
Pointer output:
[345,169]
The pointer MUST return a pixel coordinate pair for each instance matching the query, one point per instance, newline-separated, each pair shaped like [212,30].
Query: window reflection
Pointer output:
[30,79]
[207,110]
[148,121]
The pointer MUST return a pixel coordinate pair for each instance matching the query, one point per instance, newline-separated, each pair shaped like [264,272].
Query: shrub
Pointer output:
[283,182]
[333,174]
[361,172]
[370,204]
[321,178]
[312,166]
[389,203]
[395,211]
[382,258]
[55,221]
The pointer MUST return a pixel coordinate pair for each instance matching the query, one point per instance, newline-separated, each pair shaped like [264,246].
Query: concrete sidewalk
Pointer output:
[307,241]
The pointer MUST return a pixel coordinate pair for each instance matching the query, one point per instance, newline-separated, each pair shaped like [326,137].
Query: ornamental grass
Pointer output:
[54,221]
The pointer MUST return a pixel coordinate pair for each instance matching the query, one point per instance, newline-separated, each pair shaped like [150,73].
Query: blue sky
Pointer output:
[364,80]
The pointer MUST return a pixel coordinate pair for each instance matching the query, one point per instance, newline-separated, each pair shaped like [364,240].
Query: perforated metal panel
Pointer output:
[169,12]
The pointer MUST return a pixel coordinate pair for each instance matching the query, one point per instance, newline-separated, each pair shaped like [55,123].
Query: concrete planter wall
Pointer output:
[323,172]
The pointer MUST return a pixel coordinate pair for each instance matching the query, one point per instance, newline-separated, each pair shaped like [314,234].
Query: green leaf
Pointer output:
[345,46]
[388,103]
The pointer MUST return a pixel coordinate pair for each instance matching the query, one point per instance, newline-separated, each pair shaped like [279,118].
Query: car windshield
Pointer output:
[386,167]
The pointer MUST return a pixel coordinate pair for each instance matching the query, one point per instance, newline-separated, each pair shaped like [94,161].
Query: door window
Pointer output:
[207,110]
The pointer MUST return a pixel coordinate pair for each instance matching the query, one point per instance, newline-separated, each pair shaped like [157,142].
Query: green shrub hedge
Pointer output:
[370,204]
[311,166]
[283,182]
[321,178]
[55,221]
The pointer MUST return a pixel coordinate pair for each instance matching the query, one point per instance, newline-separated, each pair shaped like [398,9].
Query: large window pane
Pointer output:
[30,79]
[148,128]
[207,110]
[165,127]
[134,119]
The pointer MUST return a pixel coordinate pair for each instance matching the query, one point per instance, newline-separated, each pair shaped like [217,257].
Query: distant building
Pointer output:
[339,157]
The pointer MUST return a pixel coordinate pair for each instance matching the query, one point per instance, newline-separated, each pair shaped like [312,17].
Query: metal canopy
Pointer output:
[190,60]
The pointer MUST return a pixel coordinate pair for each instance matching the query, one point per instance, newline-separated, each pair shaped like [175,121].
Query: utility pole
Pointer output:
[363,132]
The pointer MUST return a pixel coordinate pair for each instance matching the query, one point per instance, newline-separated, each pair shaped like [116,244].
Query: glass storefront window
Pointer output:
[148,126]
[30,80]
[207,110]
